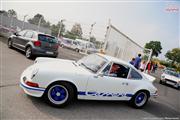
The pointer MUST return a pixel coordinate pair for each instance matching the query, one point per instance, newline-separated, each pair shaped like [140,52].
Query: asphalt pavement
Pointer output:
[15,104]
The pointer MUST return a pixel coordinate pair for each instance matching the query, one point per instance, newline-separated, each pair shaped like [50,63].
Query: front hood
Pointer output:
[59,66]
[170,77]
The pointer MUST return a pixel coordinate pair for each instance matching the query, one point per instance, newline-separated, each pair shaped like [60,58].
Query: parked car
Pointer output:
[34,43]
[86,46]
[66,42]
[170,77]
[71,44]
[61,81]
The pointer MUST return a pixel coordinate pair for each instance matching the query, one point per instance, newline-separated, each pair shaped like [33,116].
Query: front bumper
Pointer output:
[32,91]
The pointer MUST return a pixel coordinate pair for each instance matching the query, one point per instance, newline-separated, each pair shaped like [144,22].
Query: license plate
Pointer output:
[49,52]
[170,83]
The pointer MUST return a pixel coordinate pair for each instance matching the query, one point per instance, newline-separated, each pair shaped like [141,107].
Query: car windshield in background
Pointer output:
[171,73]
[92,62]
[47,38]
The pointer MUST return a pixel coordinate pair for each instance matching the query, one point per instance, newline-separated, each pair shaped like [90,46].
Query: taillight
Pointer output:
[56,46]
[37,43]
[31,84]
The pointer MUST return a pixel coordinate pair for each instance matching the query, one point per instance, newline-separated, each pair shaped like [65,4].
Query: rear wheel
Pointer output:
[29,52]
[140,99]
[9,43]
[59,94]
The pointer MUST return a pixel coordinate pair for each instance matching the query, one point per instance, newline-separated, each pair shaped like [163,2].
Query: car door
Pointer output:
[27,37]
[17,39]
[107,86]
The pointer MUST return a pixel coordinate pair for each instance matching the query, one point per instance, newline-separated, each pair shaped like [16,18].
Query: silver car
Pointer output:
[34,43]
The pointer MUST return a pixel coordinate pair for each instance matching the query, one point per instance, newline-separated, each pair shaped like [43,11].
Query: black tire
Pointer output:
[140,99]
[77,50]
[59,94]
[160,81]
[9,43]
[28,53]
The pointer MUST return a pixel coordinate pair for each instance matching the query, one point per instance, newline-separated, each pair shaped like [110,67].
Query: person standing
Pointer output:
[137,61]
[142,66]
[132,61]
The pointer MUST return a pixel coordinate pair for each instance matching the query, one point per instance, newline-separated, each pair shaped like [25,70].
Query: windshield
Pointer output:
[47,38]
[171,73]
[92,62]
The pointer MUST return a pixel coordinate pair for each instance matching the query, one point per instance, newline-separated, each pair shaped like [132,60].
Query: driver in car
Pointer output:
[114,70]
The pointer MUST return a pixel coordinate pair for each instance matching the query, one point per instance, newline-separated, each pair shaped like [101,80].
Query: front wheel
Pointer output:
[9,43]
[59,94]
[140,99]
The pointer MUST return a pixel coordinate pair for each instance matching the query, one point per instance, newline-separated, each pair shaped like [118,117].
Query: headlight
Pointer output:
[163,77]
[34,72]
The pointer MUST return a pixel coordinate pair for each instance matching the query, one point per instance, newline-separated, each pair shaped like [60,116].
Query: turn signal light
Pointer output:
[32,84]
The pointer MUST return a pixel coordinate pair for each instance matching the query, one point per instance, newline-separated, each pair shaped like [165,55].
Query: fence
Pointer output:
[10,24]
[121,46]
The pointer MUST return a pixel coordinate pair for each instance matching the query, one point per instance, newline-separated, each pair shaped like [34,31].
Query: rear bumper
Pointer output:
[42,52]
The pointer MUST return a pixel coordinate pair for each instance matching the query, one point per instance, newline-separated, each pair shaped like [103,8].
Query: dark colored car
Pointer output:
[34,43]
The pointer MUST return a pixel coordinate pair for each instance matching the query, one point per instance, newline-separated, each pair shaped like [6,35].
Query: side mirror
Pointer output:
[99,75]
[16,34]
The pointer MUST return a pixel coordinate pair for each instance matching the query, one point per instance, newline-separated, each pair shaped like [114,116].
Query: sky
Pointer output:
[142,21]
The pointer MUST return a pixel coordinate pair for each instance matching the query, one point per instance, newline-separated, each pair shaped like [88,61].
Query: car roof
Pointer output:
[114,59]
[37,32]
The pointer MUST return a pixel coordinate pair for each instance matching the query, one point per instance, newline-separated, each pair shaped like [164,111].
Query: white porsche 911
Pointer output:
[170,77]
[94,77]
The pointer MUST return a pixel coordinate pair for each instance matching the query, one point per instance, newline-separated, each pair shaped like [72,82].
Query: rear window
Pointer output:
[47,38]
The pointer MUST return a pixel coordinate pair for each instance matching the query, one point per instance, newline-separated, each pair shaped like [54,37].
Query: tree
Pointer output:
[12,13]
[173,55]
[3,12]
[77,30]
[36,18]
[155,46]
[55,29]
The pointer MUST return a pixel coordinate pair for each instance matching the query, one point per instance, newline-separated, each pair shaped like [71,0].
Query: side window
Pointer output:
[134,75]
[34,35]
[29,34]
[118,70]
[22,33]
[106,70]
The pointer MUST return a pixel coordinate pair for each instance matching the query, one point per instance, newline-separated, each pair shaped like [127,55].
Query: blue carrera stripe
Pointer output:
[102,94]
[30,88]
[129,95]
[81,93]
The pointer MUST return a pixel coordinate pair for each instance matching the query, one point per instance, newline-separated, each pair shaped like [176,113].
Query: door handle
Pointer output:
[124,83]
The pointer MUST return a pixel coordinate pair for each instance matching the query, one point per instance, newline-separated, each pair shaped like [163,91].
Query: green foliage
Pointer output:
[173,55]
[55,29]
[77,30]
[9,13]
[155,46]
[70,35]
[12,13]
[36,18]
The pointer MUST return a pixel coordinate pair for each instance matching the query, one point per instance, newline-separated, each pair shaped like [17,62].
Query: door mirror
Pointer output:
[100,74]
[16,34]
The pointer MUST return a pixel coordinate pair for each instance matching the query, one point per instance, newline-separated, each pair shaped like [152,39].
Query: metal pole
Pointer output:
[24,21]
[2,19]
[107,35]
[60,26]
[90,33]
[39,23]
